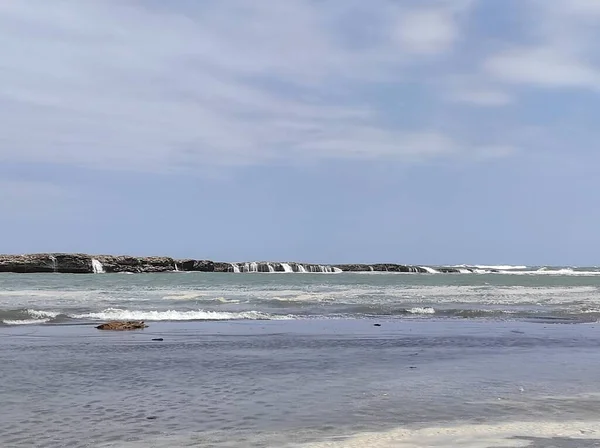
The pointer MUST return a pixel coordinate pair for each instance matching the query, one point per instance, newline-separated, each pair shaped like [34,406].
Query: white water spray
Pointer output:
[235,267]
[176,267]
[271,268]
[371,268]
[301,269]
[253,267]
[97,267]
[430,270]
[286,267]
[53,259]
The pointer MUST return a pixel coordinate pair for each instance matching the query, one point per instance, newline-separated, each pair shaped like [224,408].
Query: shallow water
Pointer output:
[284,383]
[63,298]
[278,360]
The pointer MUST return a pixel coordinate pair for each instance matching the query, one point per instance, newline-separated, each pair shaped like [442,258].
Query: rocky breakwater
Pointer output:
[189,264]
[99,264]
[57,262]
[83,263]
[126,263]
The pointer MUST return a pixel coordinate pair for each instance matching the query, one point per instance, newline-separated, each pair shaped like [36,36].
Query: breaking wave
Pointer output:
[27,317]
[421,310]
[173,315]
[25,321]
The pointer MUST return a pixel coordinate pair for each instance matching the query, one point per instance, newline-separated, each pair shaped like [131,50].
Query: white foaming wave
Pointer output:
[547,271]
[24,321]
[520,270]
[484,294]
[37,314]
[498,267]
[421,310]
[315,297]
[226,300]
[173,315]
[198,295]
[505,435]
[501,267]
[42,293]
[35,317]
[185,295]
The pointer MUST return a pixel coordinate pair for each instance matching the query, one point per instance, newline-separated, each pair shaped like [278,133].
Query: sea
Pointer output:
[494,356]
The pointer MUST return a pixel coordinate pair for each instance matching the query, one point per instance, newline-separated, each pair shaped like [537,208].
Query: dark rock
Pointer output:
[151,417]
[354,267]
[450,270]
[32,263]
[203,266]
[122,326]
[82,263]
[125,263]
[390,267]
[380,267]
[222,267]
[25,264]
[73,263]
[158,339]
[377,325]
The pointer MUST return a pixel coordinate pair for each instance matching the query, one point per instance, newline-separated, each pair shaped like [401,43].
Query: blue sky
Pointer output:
[441,131]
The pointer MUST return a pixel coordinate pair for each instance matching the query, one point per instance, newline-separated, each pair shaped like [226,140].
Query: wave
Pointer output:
[524,270]
[27,317]
[421,310]
[37,314]
[173,315]
[559,272]
[25,321]
[502,267]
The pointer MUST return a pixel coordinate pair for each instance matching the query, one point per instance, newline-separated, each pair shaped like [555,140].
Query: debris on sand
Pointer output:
[123,326]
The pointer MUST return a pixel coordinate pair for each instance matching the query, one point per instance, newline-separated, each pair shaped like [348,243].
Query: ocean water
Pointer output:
[504,359]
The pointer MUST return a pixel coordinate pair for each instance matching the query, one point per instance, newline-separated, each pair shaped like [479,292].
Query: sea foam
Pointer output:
[421,310]
[172,315]
[505,435]
[25,321]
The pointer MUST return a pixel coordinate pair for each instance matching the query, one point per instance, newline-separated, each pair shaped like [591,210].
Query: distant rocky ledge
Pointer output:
[98,264]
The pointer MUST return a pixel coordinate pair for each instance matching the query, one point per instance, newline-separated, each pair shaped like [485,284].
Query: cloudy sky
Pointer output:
[416,131]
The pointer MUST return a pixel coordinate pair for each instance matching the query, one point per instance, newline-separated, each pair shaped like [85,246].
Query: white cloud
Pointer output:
[427,31]
[482,97]
[544,67]
[579,8]
[129,85]
[560,51]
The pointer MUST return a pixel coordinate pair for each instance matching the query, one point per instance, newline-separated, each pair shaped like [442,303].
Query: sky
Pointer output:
[407,131]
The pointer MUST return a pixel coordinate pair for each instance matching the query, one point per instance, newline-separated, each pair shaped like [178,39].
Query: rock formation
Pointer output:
[68,263]
[122,326]
[87,264]
[196,265]
[125,263]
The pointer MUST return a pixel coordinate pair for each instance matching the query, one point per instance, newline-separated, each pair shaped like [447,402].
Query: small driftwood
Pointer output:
[123,326]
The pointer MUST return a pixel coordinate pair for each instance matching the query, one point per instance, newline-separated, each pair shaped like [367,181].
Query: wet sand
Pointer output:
[318,383]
